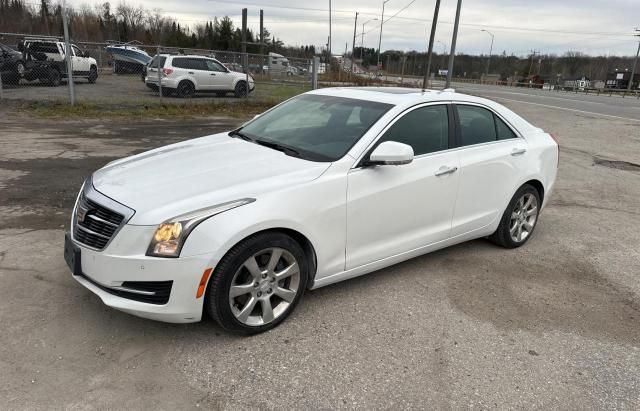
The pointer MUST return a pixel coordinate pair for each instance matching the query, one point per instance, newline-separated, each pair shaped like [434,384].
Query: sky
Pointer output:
[595,27]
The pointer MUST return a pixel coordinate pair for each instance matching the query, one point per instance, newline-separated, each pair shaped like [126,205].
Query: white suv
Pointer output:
[187,74]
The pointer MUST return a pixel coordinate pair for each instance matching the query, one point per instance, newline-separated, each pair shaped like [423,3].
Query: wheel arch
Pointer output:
[537,184]
[302,239]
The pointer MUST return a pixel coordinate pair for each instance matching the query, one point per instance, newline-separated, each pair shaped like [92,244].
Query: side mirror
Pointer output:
[391,153]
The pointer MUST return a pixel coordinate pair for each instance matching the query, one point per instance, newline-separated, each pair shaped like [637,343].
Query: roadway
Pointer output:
[614,107]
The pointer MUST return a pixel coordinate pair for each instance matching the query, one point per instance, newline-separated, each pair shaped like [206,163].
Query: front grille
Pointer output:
[155,292]
[94,225]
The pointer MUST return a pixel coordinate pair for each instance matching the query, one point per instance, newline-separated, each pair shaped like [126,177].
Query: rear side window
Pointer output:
[476,125]
[40,47]
[181,63]
[425,129]
[504,132]
[214,66]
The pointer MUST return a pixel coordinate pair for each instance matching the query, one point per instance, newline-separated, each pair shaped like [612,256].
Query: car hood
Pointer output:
[169,181]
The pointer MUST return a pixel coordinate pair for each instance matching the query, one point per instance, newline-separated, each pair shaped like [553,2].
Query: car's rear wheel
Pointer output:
[93,74]
[54,78]
[240,89]
[186,89]
[258,283]
[519,219]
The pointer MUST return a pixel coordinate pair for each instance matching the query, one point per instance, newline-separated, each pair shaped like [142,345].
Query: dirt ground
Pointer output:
[552,325]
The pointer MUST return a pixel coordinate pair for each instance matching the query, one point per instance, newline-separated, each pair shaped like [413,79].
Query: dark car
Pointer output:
[11,65]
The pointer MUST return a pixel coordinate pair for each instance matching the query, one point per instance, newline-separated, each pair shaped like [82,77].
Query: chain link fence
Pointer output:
[114,73]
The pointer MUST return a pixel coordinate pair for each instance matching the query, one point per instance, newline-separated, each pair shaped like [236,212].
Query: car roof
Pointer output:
[403,97]
[400,96]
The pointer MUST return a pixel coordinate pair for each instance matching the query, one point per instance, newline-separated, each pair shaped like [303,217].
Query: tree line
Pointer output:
[550,67]
[126,23]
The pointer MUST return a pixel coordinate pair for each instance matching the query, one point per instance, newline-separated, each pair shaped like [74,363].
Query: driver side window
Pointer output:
[213,66]
[425,129]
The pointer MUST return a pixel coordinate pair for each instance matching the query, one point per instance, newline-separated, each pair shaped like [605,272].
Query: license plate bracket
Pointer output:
[72,255]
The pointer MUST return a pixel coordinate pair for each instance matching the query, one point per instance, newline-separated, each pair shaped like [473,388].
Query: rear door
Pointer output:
[200,72]
[395,209]
[492,156]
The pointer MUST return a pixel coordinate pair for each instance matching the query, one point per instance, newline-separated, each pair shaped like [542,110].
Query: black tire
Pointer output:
[240,89]
[185,89]
[20,70]
[217,302]
[54,79]
[93,74]
[502,236]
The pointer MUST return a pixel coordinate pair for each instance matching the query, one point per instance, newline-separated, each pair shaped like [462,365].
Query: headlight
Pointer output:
[170,236]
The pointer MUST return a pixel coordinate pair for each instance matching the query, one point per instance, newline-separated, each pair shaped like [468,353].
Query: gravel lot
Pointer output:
[111,88]
[554,324]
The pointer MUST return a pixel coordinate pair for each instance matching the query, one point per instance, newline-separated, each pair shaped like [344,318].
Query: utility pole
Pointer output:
[533,54]
[427,73]
[353,46]
[329,42]
[245,57]
[67,55]
[635,62]
[380,39]
[453,45]
[261,33]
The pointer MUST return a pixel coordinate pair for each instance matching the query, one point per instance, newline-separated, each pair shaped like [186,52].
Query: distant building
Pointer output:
[620,80]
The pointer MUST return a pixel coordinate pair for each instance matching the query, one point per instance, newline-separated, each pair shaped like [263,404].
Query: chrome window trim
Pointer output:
[90,192]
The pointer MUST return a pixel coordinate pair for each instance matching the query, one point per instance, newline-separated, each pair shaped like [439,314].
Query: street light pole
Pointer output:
[380,39]
[453,45]
[490,49]
[362,40]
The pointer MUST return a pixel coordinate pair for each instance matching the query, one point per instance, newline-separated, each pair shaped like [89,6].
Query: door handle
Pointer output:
[518,151]
[191,72]
[213,74]
[444,170]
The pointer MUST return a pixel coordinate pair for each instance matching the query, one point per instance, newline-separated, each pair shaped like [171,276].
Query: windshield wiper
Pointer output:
[287,150]
[239,134]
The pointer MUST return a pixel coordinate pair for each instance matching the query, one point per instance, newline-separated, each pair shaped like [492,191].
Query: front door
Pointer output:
[396,209]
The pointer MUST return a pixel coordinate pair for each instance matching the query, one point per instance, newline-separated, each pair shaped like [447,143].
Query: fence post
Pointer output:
[67,46]
[159,74]
[314,75]
[1,95]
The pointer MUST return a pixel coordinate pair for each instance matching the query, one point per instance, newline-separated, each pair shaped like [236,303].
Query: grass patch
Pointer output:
[63,110]
[171,107]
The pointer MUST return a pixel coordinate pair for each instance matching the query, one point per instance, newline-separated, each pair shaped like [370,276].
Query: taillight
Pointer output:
[167,71]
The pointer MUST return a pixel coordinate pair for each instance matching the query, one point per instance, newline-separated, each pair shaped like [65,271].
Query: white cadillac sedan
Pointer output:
[329,185]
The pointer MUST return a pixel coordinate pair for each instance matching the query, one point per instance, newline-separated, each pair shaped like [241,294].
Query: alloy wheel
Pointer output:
[264,286]
[523,217]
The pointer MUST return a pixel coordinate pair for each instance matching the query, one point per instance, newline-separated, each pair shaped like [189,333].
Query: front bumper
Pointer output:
[124,261]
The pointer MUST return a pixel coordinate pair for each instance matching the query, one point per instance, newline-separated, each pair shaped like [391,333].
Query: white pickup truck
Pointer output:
[53,49]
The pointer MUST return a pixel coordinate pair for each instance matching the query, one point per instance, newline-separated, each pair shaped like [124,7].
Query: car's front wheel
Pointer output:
[258,283]
[240,90]
[519,219]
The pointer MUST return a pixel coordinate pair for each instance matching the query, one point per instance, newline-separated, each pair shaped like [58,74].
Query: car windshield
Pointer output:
[314,127]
